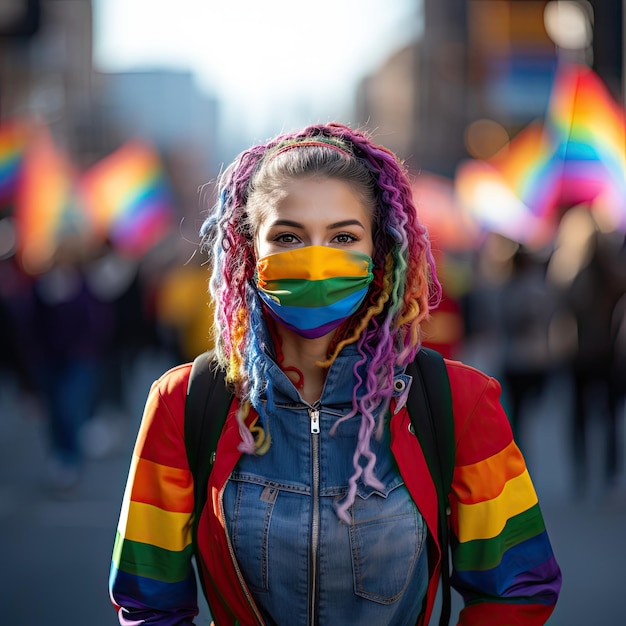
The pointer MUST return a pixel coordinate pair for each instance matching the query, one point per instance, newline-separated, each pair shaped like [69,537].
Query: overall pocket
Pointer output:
[387,536]
[258,510]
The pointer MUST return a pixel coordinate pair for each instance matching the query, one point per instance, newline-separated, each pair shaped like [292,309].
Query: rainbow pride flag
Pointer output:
[530,166]
[515,193]
[589,129]
[128,198]
[576,155]
[46,205]
[14,138]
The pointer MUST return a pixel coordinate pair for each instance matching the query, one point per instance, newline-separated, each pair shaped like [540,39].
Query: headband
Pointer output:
[310,142]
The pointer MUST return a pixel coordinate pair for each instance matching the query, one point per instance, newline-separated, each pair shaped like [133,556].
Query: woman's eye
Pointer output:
[286,238]
[345,238]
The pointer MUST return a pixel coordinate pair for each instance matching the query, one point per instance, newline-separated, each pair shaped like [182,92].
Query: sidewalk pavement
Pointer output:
[57,553]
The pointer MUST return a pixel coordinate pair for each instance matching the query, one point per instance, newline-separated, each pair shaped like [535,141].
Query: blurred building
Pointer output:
[46,63]
[387,100]
[164,105]
[479,60]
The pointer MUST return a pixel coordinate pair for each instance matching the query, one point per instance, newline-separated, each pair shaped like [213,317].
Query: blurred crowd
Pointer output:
[536,318]
[72,336]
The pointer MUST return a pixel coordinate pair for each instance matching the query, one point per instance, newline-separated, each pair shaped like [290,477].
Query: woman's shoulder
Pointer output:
[461,373]
[170,389]
[175,377]
[473,391]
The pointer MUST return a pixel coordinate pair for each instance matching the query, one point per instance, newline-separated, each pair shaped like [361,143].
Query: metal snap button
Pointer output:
[399,385]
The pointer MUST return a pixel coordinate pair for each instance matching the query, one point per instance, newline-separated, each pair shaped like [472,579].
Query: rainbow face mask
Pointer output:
[311,290]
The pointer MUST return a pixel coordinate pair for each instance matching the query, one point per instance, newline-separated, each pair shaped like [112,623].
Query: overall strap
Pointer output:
[430,409]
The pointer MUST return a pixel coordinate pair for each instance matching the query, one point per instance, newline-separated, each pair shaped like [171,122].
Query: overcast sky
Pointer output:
[273,61]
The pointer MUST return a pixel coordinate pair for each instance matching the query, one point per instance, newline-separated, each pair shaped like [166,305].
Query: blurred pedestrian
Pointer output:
[444,331]
[526,307]
[113,279]
[183,318]
[320,506]
[72,327]
[17,344]
[618,381]
[590,298]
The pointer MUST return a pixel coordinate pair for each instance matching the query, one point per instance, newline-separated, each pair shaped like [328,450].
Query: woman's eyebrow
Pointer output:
[344,224]
[334,225]
[289,223]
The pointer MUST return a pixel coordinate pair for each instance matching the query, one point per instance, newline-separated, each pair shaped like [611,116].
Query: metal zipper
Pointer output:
[314,414]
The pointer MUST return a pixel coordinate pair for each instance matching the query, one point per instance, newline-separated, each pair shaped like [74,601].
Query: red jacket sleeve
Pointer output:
[503,563]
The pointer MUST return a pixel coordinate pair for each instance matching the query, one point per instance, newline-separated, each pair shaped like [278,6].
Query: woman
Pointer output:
[319,502]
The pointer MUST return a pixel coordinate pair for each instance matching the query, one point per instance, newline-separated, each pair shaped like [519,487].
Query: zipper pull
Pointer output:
[315,421]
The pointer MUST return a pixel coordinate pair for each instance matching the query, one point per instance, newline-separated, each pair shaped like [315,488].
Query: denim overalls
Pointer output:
[301,563]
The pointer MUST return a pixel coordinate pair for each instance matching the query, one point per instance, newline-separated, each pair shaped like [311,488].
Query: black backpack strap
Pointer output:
[206,408]
[430,409]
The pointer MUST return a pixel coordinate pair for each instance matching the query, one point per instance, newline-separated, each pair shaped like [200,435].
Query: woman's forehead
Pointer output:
[306,196]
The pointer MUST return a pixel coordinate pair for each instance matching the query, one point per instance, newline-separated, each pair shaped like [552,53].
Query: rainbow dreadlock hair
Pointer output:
[386,329]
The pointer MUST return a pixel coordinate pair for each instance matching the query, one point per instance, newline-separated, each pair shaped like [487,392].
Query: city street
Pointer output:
[138,167]
[57,553]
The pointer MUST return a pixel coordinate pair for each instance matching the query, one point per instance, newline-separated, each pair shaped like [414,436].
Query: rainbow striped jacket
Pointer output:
[503,563]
